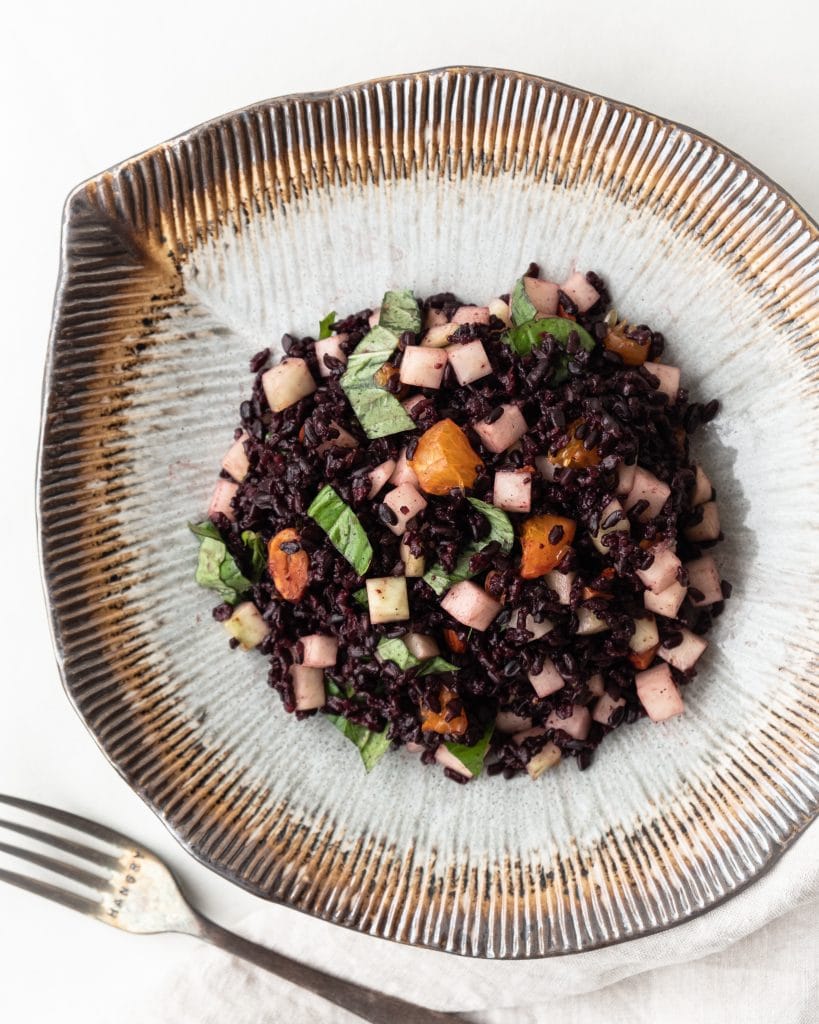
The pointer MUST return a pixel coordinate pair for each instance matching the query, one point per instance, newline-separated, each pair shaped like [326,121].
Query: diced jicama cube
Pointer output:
[330,347]
[500,309]
[537,629]
[235,460]
[403,472]
[524,734]
[561,583]
[414,565]
[663,570]
[603,707]
[513,490]
[548,680]
[542,295]
[625,477]
[708,528]
[703,575]
[578,289]
[577,725]
[669,378]
[387,599]
[379,476]
[645,635]
[308,687]
[438,337]
[411,402]
[223,495]
[375,316]
[471,315]
[685,655]
[423,367]
[469,362]
[702,488]
[502,433]
[545,467]
[471,605]
[287,383]
[647,487]
[406,502]
[595,684]
[445,757]
[421,645]
[589,623]
[509,722]
[667,602]
[247,625]
[622,525]
[343,439]
[547,757]
[319,651]
[435,318]
[658,693]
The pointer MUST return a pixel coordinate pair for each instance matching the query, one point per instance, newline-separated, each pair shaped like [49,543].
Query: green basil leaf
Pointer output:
[216,568]
[396,650]
[379,413]
[371,746]
[205,529]
[438,664]
[500,525]
[473,757]
[343,528]
[526,337]
[360,597]
[257,553]
[500,529]
[400,312]
[325,325]
[523,309]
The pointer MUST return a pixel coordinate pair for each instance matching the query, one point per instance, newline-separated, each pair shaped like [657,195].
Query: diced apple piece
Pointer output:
[622,525]
[287,383]
[387,599]
[435,318]
[235,461]
[647,487]
[471,315]
[308,687]
[414,565]
[702,488]
[578,289]
[645,635]
[379,476]
[470,605]
[669,378]
[545,467]
[445,757]
[343,439]
[667,602]
[547,757]
[524,734]
[423,367]
[247,625]
[223,495]
[625,477]
[438,337]
[603,707]
[548,680]
[406,502]
[537,629]
[330,347]
[663,570]
[685,655]
[421,645]
[658,693]
[542,295]
[469,362]
[403,472]
[500,309]
[509,722]
[320,651]
[561,583]
[589,623]
[509,427]
[595,684]
[703,575]
[577,725]
[708,528]
[513,490]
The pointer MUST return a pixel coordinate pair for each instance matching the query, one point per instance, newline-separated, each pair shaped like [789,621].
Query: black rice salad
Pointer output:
[473,531]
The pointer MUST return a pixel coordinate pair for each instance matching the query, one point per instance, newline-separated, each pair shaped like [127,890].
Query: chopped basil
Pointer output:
[257,552]
[217,568]
[343,528]
[500,529]
[436,665]
[526,337]
[400,312]
[370,745]
[360,597]
[396,650]
[500,526]
[472,758]
[522,308]
[378,412]
[326,325]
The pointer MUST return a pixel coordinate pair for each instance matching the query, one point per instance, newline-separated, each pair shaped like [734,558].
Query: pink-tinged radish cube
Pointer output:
[669,378]
[621,526]
[577,725]
[658,693]
[406,502]
[542,294]
[438,337]
[625,477]
[412,402]
[223,495]
[308,687]
[330,347]
[667,602]
[469,362]
[375,316]
[500,309]
[647,487]
[471,315]
[686,654]
[645,635]
[403,472]
[702,488]
[319,651]
[603,707]
[524,734]
[422,646]
[470,605]
[663,570]
[247,625]
[578,289]
[435,318]
[595,685]
[513,490]
[423,367]
[343,439]
[703,575]
[561,584]
[235,461]
[708,528]
[509,427]
[545,467]
[588,623]
[387,599]
[548,680]
[547,757]
[379,476]
[445,757]
[509,722]
[287,383]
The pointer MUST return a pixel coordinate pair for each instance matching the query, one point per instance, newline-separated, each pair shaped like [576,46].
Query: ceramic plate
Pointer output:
[178,264]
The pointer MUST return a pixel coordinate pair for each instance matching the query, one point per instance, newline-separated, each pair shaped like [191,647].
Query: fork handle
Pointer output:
[365,1002]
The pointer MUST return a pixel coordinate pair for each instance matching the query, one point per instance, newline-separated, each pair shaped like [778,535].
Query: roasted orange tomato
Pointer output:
[540,554]
[454,642]
[630,351]
[642,661]
[444,459]
[588,592]
[574,455]
[289,569]
[434,721]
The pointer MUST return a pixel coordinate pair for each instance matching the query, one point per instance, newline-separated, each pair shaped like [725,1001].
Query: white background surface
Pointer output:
[87,84]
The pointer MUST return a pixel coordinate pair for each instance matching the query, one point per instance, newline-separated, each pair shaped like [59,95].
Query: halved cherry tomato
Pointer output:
[435,721]
[574,455]
[540,555]
[444,459]
[289,570]
[642,661]
[454,642]
[630,351]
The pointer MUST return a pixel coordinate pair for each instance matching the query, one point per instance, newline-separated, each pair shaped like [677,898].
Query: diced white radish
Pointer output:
[577,725]
[645,635]
[223,495]
[548,680]
[537,629]
[547,757]
[702,488]
[625,477]
[469,362]
[471,315]
[509,722]
[685,655]
[330,347]
[375,316]
[658,693]
[621,526]
[445,757]
[578,289]
[663,570]
[647,487]
[320,651]
[524,734]
[343,439]
[502,434]
[435,318]
[247,625]
[708,528]
[423,367]
[403,472]
[470,605]
[287,383]
[413,401]
[603,707]
[513,490]
[379,476]
[669,378]
[667,602]
[545,467]
[421,645]
[542,295]
[235,461]
[703,575]
[438,337]
[595,684]
[561,583]
[588,623]
[414,565]
[387,599]
[406,502]
[308,687]
[500,309]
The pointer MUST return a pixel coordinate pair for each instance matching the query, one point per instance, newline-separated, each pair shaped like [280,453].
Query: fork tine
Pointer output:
[92,828]
[86,878]
[51,892]
[104,860]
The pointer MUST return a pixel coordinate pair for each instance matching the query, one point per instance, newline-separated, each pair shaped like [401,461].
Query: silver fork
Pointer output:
[133,890]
